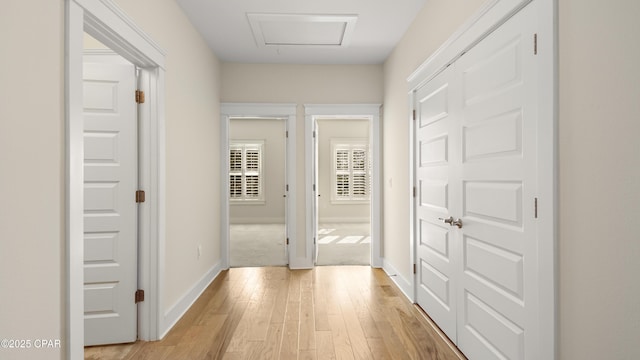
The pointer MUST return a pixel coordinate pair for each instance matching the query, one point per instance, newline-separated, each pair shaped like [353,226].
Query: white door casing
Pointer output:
[476,159]
[110,210]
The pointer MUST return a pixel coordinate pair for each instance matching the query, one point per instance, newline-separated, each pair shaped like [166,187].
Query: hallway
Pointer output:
[349,312]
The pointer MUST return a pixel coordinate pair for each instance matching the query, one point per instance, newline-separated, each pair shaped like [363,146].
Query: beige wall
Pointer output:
[599,166]
[432,27]
[32,261]
[272,133]
[32,162]
[599,245]
[193,142]
[301,84]
[329,130]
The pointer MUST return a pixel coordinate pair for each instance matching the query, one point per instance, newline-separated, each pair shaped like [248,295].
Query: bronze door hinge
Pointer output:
[139,96]
[139,296]
[140,196]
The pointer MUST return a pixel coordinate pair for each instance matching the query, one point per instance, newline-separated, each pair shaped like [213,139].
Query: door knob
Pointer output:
[447,221]
[457,222]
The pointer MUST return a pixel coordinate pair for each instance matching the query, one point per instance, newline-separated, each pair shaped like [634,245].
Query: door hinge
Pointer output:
[535,208]
[287,241]
[314,134]
[286,134]
[414,114]
[314,241]
[139,96]
[535,44]
[415,270]
[140,197]
[139,295]
[287,187]
[314,187]
[414,191]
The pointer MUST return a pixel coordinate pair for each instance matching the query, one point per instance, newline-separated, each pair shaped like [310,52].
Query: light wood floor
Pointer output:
[353,312]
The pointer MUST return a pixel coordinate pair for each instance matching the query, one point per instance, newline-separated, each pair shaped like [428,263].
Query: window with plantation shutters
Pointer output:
[245,171]
[351,170]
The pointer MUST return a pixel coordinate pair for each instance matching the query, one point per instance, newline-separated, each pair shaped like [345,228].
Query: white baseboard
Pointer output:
[300,264]
[176,312]
[405,285]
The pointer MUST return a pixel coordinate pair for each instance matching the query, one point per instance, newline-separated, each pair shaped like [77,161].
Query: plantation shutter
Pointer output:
[245,171]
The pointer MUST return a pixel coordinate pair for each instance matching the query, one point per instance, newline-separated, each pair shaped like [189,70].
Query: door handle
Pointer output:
[457,222]
[451,222]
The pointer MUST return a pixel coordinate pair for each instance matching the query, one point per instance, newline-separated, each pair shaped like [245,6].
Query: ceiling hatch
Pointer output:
[291,30]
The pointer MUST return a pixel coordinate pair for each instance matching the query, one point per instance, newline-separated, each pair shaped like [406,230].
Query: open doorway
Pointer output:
[343,148]
[343,168]
[257,192]
[248,136]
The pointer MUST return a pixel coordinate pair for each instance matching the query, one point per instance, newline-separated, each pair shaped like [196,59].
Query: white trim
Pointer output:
[104,21]
[345,111]
[286,112]
[490,17]
[403,284]
[175,313]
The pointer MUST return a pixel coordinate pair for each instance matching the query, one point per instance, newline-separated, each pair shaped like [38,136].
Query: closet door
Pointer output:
[436,173]
[475,167]
[497,289]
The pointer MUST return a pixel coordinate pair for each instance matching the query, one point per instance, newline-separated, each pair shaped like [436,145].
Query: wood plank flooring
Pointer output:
[346,312]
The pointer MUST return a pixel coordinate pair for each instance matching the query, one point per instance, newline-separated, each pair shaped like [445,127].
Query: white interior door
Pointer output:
[497,301]
[436,179]
[476,156]
[110,216]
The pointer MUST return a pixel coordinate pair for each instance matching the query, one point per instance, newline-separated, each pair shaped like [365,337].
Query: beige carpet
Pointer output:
[257,245]
[254,245]
[344,244]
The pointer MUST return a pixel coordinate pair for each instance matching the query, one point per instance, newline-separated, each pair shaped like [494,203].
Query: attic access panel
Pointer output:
[290,30]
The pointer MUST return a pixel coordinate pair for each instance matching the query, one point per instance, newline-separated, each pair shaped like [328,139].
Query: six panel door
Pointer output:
[110,214]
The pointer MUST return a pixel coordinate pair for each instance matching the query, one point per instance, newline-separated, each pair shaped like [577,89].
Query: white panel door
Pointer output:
[436,142]
[476,148]
[497,302]
[110,213]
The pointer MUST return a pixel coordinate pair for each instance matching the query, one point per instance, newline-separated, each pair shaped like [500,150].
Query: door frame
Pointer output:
[313,112]
[492,15]
[285,112]
[106,22]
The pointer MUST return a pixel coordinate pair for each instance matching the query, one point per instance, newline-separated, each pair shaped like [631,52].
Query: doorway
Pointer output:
[257,192]
[359,185]
[283,118]
[109,25]
[343,168]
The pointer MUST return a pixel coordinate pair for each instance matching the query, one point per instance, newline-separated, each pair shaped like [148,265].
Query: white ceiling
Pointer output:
[302,31]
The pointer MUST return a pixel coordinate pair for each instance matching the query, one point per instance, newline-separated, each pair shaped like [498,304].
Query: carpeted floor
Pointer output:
[263,244]
[344,244]
[257,245]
